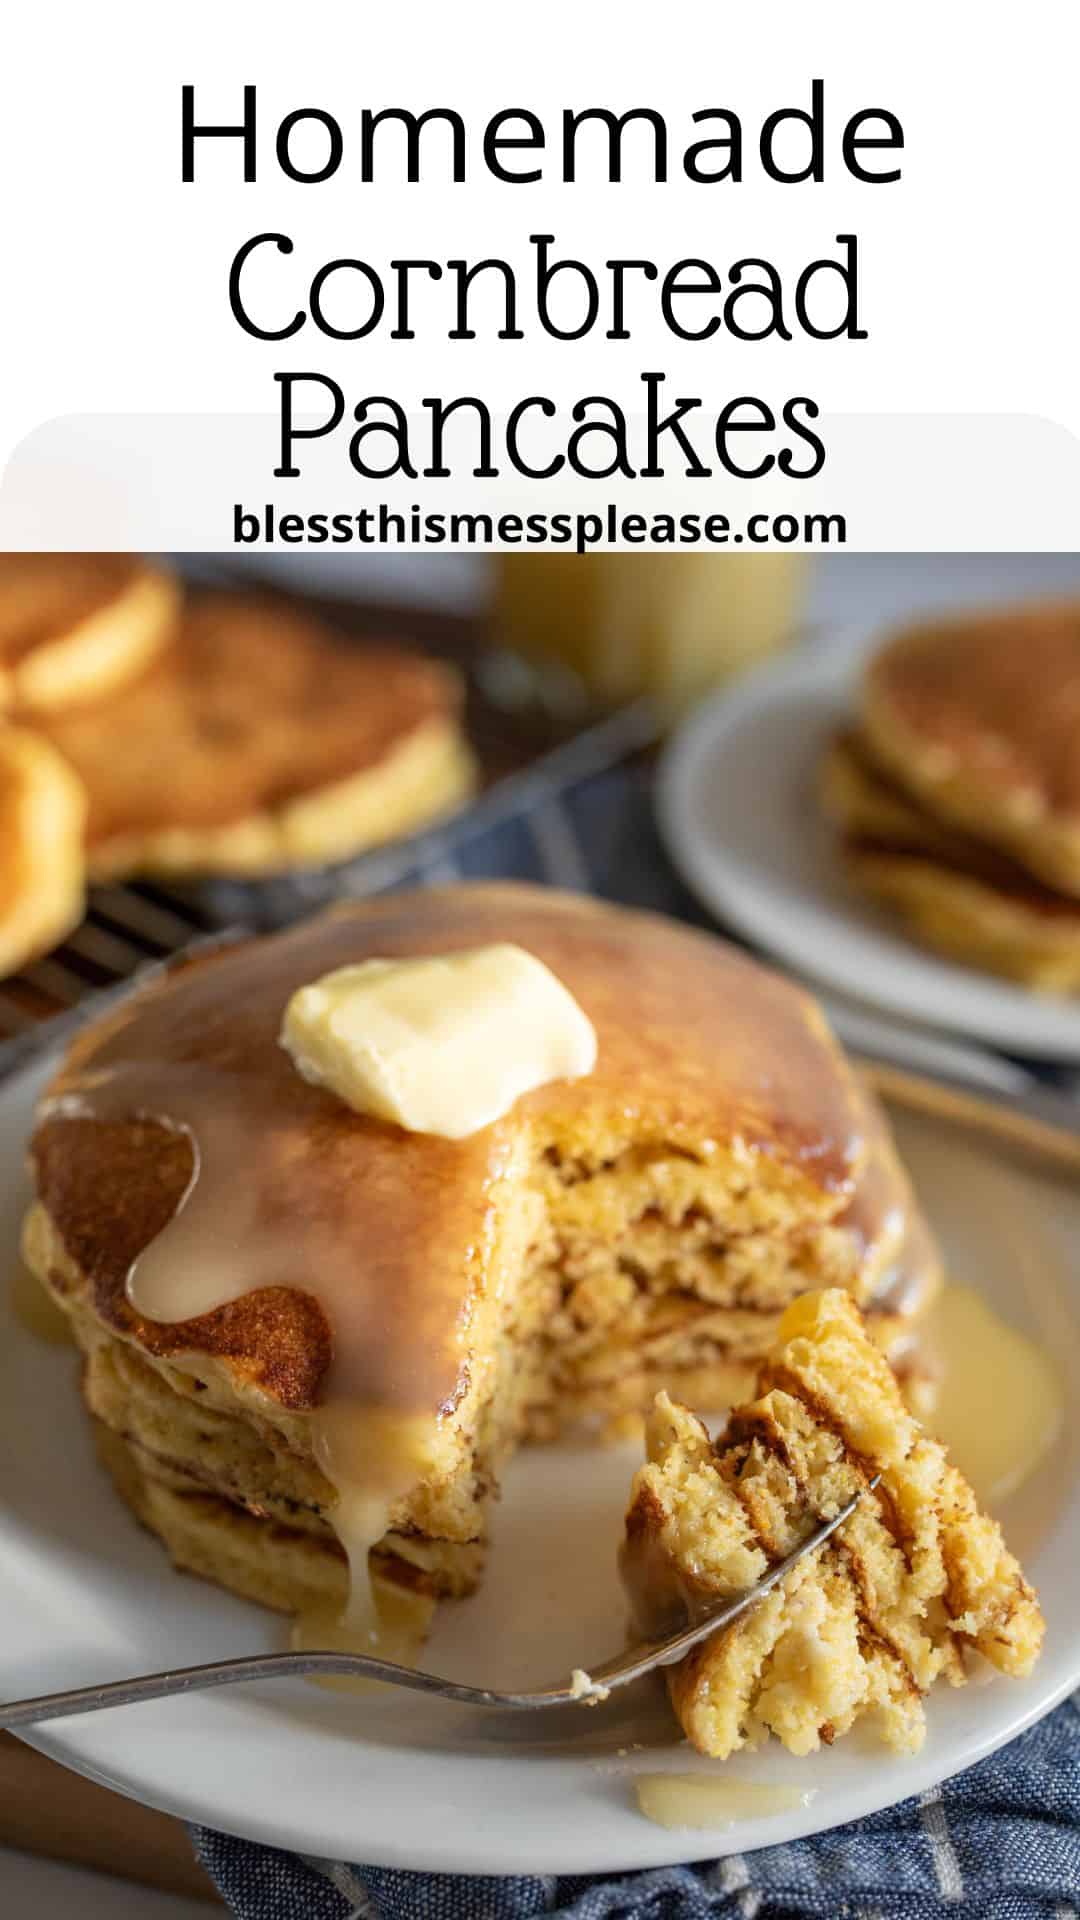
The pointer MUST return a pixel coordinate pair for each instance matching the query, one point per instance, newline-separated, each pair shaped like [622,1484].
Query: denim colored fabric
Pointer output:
[1000,1842]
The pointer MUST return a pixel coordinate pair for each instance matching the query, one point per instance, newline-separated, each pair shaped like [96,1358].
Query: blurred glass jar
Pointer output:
[670,625]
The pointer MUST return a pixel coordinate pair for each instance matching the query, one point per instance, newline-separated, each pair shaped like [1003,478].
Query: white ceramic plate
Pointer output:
[393,1780]
[738,810]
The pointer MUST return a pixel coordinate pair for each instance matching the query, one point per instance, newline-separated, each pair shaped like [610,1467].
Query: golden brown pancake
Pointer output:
[259,741]
[479,1289]
[865,803]
[962,897]
[74,626]
[980,720]
[42,808]
[872,1619]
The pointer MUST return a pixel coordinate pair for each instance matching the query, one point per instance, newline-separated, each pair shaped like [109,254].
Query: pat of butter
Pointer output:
[440,1044]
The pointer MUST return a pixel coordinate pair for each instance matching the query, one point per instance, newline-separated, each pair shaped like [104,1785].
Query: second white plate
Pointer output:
[738,810]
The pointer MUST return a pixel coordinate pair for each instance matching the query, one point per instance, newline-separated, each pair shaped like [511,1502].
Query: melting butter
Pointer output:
[987,1391]
[684,1800]
[444,1043]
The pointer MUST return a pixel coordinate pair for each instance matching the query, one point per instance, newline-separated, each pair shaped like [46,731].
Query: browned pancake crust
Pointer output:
[254,705]
[1001,694]
[981,719]
[700,1049]
[43,596]
[112,1188]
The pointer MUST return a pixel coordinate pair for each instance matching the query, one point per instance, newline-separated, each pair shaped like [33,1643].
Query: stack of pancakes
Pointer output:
[158,734]
[957,793]
[872,1619]
[644,1226]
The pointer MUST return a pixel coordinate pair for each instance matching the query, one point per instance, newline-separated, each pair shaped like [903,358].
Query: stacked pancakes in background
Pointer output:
[957,792]
[161,734]
[644,1226]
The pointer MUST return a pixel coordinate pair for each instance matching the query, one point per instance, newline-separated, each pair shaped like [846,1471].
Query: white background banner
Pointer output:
[137,409]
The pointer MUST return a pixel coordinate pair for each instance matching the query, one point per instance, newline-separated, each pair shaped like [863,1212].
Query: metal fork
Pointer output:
[590,1688]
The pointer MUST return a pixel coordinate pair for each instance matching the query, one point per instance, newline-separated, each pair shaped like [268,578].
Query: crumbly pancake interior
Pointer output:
[869,1622]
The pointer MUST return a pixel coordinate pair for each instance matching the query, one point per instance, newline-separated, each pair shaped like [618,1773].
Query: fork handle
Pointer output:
[619,1672]
[261,1666]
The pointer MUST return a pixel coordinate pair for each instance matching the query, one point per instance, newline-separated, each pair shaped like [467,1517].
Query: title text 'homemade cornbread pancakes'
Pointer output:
[309,1332]
[258,741]
[958,793]
[907,1588]
[42,809]
[73,626]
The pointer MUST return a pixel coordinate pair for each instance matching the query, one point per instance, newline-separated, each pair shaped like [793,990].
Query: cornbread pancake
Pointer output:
[322,1321]
[1029,934]
[979,719]
[868,805]
[42,808]
[258,741]
[73,626]
[959,896]
[890,1604]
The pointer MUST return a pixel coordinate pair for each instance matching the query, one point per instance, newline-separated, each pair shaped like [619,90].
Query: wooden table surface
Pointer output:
[45,1809]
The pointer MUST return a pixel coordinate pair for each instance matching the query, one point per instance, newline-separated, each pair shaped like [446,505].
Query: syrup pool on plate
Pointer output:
[987,1391]
[698,1800]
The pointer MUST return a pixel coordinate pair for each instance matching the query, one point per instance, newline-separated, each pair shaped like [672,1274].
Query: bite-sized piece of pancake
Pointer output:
[73,626]
[259,740]
[979,719]
[957,895]
[42,808]
[332,1280]
[915,1578]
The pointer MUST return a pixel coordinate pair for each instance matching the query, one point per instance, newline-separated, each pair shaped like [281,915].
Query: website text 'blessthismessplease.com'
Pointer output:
[609,527]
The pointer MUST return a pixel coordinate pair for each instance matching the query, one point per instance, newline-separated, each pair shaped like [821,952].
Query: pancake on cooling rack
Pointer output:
[73,626]
[913,1583]
[42,809]
[353,1322]
[957,794]
[257,741]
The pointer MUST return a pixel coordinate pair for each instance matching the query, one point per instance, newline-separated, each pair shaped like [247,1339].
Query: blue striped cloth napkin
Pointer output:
[1000,1842]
